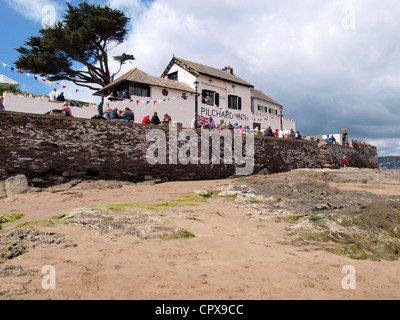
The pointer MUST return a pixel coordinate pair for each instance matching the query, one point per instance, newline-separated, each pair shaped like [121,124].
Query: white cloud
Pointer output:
[37,10]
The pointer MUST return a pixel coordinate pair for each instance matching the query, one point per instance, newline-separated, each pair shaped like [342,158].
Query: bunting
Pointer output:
[38,78]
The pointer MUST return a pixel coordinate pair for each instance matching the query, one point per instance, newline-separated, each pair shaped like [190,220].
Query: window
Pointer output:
[260,108]
[165,92]
[210,97]
[173,76]
[139,89]
[235,102]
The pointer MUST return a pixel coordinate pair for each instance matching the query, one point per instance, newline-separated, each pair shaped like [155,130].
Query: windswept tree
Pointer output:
[76,48]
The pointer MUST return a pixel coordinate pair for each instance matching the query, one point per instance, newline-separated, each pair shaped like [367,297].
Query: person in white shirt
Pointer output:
[53,95]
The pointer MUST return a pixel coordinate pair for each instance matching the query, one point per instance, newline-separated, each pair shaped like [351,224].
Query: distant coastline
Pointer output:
[389,163]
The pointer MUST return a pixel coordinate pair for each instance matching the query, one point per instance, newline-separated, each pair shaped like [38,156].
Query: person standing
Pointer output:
[344,137]
[344,161]
[53,95]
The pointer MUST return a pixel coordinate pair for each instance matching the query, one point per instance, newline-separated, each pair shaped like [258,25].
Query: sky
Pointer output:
[331,64]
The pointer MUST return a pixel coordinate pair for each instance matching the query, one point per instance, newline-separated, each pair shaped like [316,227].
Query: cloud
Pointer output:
[37,10]
[331,64]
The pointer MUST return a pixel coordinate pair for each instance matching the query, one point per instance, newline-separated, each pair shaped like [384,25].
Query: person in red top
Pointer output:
[167,117]
[345,161]
[146,119]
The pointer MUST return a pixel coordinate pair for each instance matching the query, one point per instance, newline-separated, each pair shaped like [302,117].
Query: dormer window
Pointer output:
[173,76]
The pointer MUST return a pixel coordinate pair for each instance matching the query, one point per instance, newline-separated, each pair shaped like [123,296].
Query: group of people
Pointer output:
[127,115]
[332,139]
[56,97]
[290,134]
[268,132]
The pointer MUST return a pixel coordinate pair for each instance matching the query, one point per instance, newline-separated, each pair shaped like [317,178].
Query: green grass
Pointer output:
[181,234]
[185,199]
[36,223]
[8,218]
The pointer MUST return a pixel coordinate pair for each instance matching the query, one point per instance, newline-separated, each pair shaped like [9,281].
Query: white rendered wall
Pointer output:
[41,105]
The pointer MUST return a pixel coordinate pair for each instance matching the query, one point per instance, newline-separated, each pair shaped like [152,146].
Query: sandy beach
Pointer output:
[233,255]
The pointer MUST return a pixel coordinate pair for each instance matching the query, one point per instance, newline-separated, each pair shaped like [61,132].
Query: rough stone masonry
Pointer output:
[49,150]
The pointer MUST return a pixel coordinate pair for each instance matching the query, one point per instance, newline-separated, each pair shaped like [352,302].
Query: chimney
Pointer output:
[228,69]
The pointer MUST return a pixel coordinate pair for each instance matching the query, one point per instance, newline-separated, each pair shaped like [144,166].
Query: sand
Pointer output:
[232,256]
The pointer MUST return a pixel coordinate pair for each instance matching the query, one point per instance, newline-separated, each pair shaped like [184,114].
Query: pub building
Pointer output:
[188,88]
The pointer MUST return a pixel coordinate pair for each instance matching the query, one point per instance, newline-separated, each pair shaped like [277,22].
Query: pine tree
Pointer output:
[76,49]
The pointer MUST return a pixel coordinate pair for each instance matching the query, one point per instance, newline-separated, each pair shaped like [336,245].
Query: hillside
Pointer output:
[392,163]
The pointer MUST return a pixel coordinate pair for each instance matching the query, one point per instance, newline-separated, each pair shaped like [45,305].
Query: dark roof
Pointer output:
[262,96]
[136,75]
[196,69]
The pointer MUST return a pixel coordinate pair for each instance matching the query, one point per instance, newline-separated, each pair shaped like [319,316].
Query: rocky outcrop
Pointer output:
[359,225]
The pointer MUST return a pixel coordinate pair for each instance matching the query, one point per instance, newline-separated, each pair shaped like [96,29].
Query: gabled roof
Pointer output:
[6,80]
[196,69]
[262,96]
[136,75]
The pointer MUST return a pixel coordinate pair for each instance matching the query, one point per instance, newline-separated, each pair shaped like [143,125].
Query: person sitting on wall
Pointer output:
[276,133]
[167,118]
[268,132]
[328,139]
[2,103]
[61,97]
[66,108]
[114,114]
[222,125]
[211,123]
[333,140]
[155,119]
[106,114]
[298,136]
[129,115]
[230,125]
[146,119]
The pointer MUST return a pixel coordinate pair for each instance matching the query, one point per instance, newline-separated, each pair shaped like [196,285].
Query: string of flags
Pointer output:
[184,96]
[39,78]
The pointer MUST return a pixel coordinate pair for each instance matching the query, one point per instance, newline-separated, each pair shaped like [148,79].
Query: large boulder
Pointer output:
[16,185]
[3,193]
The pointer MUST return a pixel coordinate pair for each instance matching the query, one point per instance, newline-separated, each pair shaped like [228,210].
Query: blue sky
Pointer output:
[331,64]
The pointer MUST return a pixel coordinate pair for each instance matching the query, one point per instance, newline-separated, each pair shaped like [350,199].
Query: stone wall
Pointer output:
[49,149]
[358,154]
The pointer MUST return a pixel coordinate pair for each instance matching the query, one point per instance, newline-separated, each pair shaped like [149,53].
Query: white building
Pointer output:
[220,95]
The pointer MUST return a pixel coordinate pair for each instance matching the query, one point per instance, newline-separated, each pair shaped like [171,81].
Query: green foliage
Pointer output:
[76,49]
[9,88]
